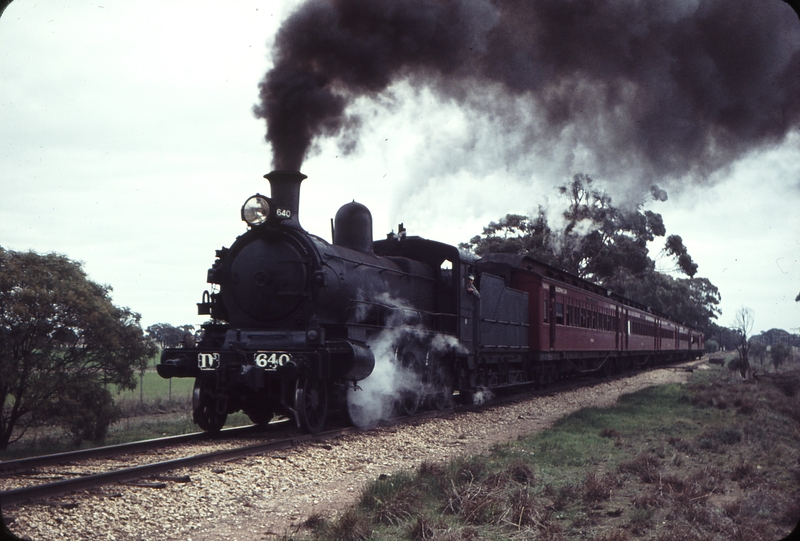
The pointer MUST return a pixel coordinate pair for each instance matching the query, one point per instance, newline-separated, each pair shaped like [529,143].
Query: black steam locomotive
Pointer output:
[296,321]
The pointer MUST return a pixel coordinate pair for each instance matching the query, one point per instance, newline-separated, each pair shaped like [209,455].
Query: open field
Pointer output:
[717,459]
[156,408]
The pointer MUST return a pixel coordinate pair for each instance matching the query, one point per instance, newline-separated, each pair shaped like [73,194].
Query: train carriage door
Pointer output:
[616,330]
[657,335]
[551,307]
[627,329]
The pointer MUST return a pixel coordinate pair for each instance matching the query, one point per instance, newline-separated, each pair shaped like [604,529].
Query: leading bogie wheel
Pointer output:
[311,404]
[259,416]
[204,408]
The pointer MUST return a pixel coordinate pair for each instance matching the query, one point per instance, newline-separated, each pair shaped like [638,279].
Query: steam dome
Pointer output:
[353,227]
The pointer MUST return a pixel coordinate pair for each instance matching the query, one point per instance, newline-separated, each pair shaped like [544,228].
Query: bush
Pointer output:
[86,411]
[597,487]
[779,354]
[646,466]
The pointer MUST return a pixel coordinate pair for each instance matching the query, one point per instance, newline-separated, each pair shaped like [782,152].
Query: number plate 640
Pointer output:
[271,360]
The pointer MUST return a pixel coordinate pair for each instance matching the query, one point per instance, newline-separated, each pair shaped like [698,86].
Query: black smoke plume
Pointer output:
[674,88]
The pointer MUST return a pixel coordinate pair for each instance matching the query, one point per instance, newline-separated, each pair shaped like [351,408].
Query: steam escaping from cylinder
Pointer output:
[376,398]
[677,89]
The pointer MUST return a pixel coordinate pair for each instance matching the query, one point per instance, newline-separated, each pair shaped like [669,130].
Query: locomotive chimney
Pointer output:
[285,186]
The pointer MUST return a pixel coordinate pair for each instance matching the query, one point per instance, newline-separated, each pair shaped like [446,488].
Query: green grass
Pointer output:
[152,387]
[156,408]
[716,459]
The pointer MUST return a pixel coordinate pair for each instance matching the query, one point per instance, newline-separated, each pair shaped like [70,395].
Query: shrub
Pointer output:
[521,473]
[596,487]
[640,519]
[424,528]
[729,436]
[526,511]
[646,466]
[476,504]
[469,469]
[392,500]
[564,496]
[614,535]
[744,406]
[351,526]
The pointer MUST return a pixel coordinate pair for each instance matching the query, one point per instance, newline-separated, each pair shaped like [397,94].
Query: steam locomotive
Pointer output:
[295,321]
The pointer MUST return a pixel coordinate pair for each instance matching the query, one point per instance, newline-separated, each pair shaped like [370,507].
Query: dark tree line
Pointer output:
[170,336]
[775,346]
[608,245]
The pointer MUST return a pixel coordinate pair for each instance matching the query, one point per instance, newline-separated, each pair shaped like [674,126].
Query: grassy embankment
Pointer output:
[153,410]
[717,459]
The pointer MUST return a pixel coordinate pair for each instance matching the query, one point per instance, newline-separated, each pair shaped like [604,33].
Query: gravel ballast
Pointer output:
[261,497]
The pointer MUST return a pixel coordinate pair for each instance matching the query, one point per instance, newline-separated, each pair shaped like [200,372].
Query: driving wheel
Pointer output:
[311,404]
[441,396]
[410,357]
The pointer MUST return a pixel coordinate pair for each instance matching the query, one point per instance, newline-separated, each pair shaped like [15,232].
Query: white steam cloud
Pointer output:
[376,398]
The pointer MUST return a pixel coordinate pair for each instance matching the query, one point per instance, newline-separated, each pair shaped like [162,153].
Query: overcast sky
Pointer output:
[128,142]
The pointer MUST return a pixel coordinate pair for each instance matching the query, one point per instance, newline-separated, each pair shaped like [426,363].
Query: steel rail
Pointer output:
[10,466]
[46,490]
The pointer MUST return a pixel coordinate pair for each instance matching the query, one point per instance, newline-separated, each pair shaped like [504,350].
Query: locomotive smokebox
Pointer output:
[285,186]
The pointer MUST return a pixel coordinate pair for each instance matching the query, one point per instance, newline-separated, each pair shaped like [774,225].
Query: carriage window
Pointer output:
[545,312]
[559,313]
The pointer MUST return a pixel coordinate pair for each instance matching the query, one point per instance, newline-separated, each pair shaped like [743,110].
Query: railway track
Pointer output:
[154,471]
[128,474]
[123,475]
[23,464]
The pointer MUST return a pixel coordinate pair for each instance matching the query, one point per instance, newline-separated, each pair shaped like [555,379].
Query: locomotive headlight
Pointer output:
[255,210]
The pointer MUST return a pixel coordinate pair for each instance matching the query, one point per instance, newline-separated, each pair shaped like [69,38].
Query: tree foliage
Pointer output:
[758,350]
[779,354]
[726,337]
[61,342]
[778,336]
[609,246]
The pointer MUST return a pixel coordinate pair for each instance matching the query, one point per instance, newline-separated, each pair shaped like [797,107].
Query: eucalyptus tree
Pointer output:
[609,245]
[62,342]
